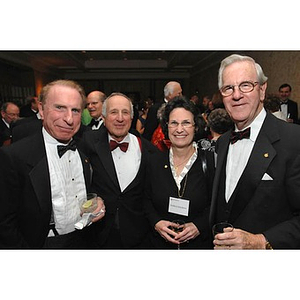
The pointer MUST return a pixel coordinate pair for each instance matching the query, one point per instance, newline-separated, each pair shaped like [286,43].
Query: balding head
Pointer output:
[94,101]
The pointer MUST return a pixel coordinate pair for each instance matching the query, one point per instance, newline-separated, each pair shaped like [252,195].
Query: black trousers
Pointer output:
[72,240]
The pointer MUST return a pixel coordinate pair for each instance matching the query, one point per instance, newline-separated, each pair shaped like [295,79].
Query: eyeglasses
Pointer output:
[244,87]
[184,124]
[12,114]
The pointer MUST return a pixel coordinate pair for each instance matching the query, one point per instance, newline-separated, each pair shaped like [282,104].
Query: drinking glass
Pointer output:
[178,228]
[89,204]
[219,227]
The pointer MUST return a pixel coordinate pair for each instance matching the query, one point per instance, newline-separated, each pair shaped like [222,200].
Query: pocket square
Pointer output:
[267,177]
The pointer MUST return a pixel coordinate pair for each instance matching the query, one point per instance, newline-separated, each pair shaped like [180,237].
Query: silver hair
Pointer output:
[261,78]
[169,88]
[116,94]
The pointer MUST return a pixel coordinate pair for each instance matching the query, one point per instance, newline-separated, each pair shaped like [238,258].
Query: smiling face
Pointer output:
[61,113]
[181,136]
[118,117]
[243,107]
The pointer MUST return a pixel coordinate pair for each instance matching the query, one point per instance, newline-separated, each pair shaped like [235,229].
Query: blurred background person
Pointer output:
[272,104]
[10,113]
[94,102]
[288,107]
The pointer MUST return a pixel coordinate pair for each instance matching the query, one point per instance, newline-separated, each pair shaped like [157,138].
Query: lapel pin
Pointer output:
[266,155]
[165,166]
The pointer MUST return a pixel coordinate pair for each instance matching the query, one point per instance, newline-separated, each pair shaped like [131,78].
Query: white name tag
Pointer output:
[179,206]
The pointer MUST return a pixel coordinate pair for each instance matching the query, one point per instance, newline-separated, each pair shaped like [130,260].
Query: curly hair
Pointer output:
[219,121]
[181,102]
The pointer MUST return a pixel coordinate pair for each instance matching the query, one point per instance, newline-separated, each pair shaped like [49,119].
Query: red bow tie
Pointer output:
[113,145]
[239,135]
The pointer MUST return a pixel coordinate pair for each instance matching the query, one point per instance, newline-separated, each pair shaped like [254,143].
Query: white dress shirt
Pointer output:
[67,185]
[94,127]
[239,153]
[127,163]
[284,109]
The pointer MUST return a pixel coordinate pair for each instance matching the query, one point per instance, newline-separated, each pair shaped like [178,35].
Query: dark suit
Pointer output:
[161,186]
[270,207]
[5,132]
[124,210]
[26,111]
[25,193]
[292,110]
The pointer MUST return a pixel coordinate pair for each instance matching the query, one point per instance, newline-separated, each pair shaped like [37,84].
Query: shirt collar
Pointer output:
[256,125]
[126,139]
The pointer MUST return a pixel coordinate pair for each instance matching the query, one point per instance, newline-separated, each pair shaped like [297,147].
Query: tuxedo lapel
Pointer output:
[261,156]
[39,174]
[102,149]
[222,149]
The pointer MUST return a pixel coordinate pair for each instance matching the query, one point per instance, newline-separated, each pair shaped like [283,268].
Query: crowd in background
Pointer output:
[164,171]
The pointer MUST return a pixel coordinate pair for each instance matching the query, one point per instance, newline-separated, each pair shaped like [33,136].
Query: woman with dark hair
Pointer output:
[179,182]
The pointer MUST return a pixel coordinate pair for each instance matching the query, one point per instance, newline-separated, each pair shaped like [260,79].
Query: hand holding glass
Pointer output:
[178,228]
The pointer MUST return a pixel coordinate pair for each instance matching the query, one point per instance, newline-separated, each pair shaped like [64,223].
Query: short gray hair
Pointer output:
[116,94]
[261,78]
[169,87]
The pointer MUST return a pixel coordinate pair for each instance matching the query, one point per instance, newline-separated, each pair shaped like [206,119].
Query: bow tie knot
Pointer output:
[94,122]
[113,145]
[63,149]
[239,135]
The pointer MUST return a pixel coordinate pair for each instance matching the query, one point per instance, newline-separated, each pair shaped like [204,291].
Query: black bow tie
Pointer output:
[94,122]
[63,149]
[239,135]
[113,145]
[283,103]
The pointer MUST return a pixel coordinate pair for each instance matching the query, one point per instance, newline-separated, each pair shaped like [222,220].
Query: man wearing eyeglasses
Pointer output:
[257,179]
[10,113]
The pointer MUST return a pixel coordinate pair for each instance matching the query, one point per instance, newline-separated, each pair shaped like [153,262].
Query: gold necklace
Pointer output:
[184,186]
[176,167]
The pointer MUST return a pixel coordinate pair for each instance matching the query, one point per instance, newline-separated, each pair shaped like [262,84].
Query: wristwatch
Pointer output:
[268,245]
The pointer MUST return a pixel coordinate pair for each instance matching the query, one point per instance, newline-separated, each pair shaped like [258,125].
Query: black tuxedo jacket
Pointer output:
[293,110]
[264,206]
[5,132]
[124,210]
[25,193]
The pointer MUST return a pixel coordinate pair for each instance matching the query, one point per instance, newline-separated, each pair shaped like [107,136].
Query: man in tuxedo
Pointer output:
[94,102]
[118,158]
[30,109]
[171,90]
[257,180]
[9,113]
[44,176]
[288,107]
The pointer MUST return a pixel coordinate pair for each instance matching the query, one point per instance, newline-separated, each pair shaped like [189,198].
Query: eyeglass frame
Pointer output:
[253,83]
[184,124]
[12,114]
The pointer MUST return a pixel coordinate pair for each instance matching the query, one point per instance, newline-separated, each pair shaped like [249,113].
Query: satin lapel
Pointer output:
[222,149]
[262,155]
[39,174]
[104,153]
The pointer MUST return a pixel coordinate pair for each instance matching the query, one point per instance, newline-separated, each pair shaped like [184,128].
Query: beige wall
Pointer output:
[280,67]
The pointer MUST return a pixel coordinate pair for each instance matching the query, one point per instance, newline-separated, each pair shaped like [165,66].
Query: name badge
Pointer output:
[179,206]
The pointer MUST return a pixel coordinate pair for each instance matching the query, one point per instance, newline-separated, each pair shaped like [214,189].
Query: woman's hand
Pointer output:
[163,228]
[189,232]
